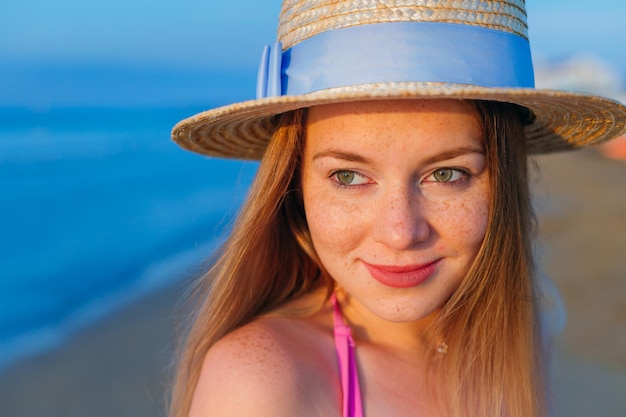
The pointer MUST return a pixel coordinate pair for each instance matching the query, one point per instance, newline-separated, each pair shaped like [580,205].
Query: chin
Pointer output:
[406,311]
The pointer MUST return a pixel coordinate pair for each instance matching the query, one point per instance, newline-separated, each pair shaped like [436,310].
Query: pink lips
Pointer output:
[402,276]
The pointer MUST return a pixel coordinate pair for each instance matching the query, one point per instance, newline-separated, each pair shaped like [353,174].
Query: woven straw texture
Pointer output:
[302,19]
[563,120]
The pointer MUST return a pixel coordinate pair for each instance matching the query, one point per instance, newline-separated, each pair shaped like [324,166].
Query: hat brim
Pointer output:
[563,120]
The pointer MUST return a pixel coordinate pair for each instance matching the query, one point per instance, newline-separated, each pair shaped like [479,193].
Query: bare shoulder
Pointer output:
[270,367]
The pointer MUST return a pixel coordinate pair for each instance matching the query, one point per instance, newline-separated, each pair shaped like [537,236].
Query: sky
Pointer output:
[143,53]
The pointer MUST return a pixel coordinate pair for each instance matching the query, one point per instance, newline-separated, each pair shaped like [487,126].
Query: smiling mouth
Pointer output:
[402,276]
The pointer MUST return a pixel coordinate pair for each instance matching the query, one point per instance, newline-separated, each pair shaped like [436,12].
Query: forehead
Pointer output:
[437,123]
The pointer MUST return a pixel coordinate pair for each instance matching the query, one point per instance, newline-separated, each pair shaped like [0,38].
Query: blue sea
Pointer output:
[98,207]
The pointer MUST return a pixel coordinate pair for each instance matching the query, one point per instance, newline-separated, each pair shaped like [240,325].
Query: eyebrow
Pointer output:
[338,154]
[452,153]
[443,156]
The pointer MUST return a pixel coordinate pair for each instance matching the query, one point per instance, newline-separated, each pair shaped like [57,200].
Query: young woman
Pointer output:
[382,262]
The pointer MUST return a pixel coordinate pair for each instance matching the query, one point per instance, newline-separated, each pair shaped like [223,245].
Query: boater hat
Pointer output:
[332,51]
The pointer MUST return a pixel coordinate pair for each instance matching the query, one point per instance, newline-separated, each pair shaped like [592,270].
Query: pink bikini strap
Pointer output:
[344,345]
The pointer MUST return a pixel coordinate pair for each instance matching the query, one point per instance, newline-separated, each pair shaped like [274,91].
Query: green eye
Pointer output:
[349,179]
[443,175]
[446,175]
[345,177]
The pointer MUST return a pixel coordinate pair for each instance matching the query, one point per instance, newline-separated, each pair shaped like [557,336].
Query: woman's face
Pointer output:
[396,196]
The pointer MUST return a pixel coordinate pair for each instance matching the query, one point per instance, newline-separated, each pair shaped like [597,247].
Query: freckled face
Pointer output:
[396,198]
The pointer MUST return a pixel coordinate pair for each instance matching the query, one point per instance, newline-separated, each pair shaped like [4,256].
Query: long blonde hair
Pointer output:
[493,365]
[494,362]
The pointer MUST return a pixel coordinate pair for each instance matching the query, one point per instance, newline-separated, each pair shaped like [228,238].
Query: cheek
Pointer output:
[336,225]
[462,223]
[477,226]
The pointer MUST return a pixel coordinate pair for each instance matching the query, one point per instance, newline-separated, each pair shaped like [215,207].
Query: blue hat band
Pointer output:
[397,52]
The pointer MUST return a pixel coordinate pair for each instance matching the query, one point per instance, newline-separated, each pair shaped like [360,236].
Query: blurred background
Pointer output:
[103,220]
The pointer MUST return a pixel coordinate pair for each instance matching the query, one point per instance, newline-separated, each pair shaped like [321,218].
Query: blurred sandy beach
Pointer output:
[118,367]
[581,205]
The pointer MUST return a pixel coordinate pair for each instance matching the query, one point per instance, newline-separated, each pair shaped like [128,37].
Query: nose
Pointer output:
[401,221]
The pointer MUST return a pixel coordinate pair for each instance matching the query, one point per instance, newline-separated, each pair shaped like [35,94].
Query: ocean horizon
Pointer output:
[98,208]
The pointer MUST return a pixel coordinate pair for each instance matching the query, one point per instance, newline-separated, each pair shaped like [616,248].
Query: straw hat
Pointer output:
[331,51]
